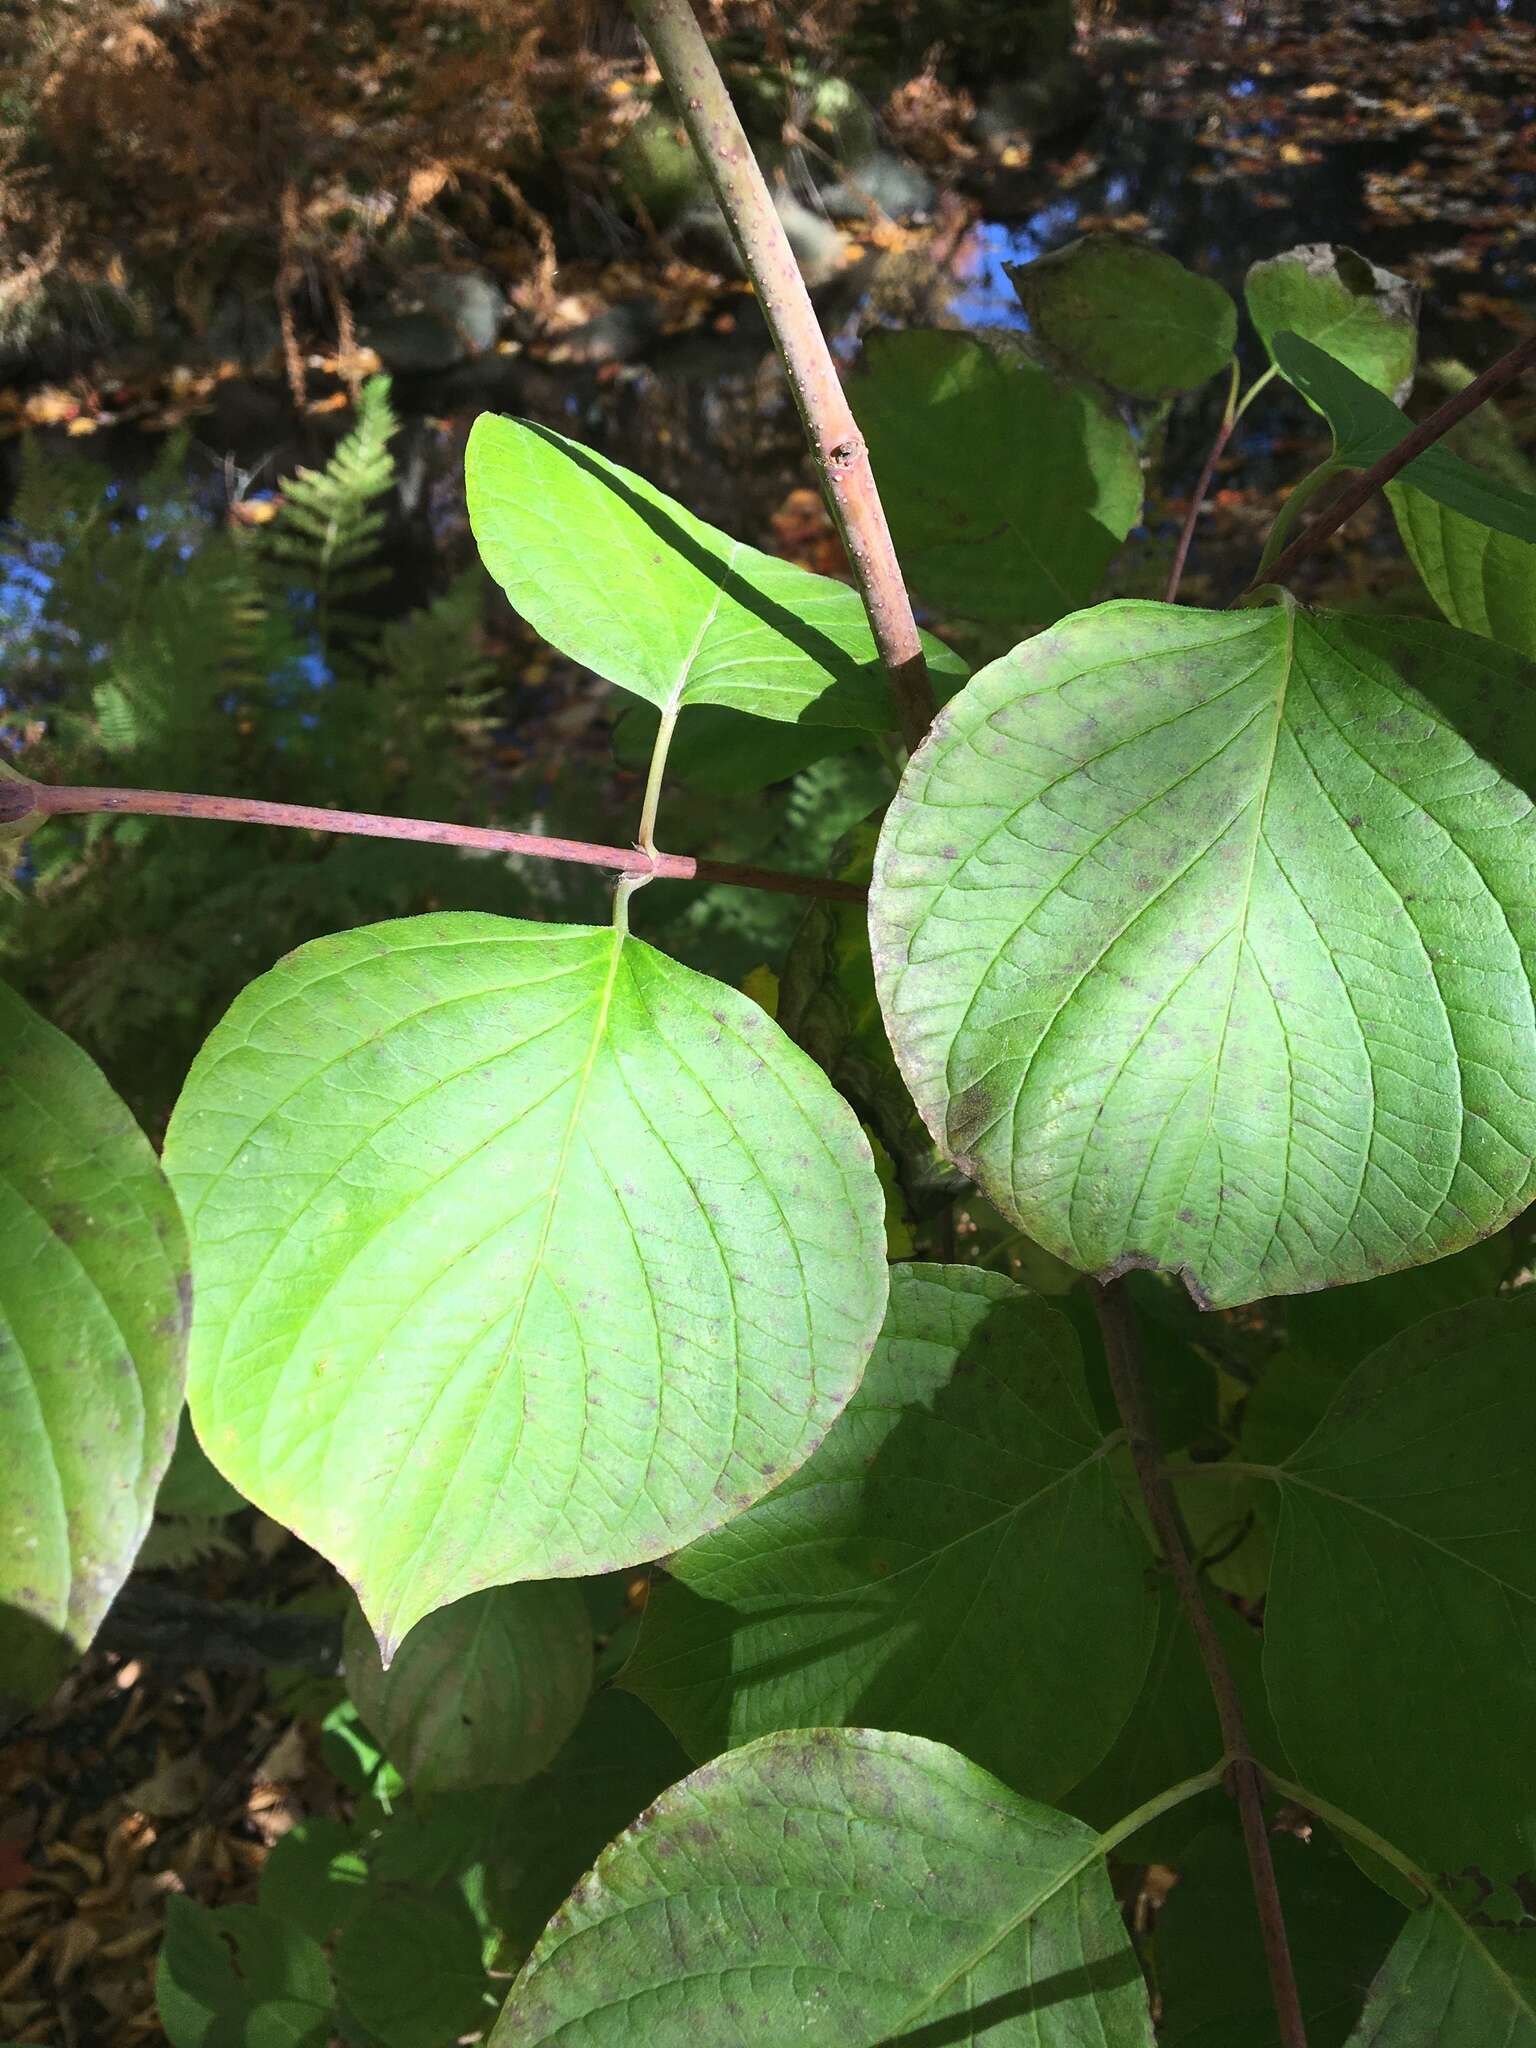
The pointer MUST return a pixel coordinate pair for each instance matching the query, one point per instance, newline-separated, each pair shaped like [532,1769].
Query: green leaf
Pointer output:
[480,1693]
[623,579]
[1127,315]
[521,1252]
[192,1486]
[1330,1333]
[828,1006]
[409,1969]
[1364,316]
[1210,1959]
[1007,490]
[1367,426]
[1204,941]
[964,1500]
[1172,1733]
[838,1887]
[351,1755]
[1400,1629]
[553,1828]
[235,1977]
[721,752]
[1483,580]
[93,1321]
[314,1877]
[1452,1986]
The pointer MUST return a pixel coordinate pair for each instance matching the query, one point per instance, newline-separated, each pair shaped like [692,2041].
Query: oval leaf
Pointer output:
[842,1887]
[1205,942]
[1364,316]
[1008,491]
[1405,1570]
[1128,315]
[522,1252]
[94,1297]
[623,579]
[963,1499]
[484,1692]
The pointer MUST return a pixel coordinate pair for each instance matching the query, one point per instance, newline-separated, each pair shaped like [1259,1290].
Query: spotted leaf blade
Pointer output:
[840,1887]
[1205,942]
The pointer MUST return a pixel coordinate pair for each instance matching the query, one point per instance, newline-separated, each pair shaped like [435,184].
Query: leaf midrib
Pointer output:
[551,1205]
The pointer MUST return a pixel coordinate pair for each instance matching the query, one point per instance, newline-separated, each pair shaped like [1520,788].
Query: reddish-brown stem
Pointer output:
[687,66]
[1122,1345]
[21,799]
[1439,423]
[1192,516]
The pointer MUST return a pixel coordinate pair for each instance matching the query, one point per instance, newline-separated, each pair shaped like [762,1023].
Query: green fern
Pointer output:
[146,644]
[331,522]
[175,1542]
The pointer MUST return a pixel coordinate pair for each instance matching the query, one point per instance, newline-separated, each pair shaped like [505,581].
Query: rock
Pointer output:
[655,166]
[880,182]
[618,334]
[1054,99]
[244,328]
[818,245]
[442,317]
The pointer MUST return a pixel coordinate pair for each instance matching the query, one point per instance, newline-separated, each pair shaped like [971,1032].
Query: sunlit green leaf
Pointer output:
[521,1252]
[841,1887]
[1205,941]
[1364,316]
[480,1693]
[964,1500]
[623,579]
[94,1299]
[1127,314]
[1367,426]
[1400,1630]
[236,1977]
[1007,490]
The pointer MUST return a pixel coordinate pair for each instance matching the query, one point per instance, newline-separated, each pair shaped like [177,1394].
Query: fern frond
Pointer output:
[176,1541]
[332,520]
